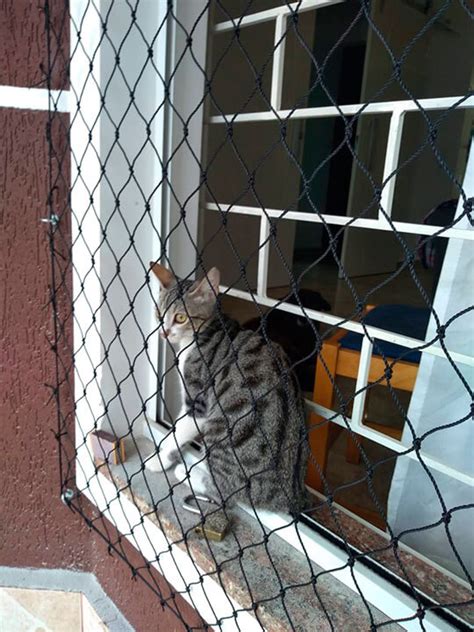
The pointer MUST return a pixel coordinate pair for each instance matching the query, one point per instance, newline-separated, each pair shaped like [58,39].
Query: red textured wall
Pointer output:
[37,530]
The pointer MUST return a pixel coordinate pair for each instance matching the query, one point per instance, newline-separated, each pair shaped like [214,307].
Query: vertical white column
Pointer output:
[263,255]
[391,161]
[361,383]
[133,60]
[86,32]
[187,62]
[278,62]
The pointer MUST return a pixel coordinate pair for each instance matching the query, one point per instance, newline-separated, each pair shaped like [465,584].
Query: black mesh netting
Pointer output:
[317,153]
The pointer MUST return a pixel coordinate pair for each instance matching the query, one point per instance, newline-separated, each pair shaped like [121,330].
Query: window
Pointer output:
[295,146]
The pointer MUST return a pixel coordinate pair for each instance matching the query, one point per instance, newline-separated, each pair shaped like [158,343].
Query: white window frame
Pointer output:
[397,110]
[174,564]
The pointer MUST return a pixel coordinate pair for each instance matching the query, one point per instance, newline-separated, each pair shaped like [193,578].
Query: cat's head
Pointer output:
[184,307]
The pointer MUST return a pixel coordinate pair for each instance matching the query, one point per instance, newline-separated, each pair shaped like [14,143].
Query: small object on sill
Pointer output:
[107,448]
[214,524]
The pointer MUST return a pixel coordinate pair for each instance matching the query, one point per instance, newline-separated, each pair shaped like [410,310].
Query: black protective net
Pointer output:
[317,154]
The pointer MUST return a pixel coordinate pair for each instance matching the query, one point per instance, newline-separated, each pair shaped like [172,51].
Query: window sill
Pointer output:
[248,577]
[429,579]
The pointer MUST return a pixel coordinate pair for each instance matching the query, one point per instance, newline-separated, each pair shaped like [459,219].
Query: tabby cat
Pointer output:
[239,396]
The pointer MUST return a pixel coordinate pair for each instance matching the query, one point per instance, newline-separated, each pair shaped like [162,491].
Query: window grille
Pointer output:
[319,154]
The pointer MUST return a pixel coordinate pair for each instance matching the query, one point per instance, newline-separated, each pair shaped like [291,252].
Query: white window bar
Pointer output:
[86,231]
[272,14]
[360,109]
[278,62]
[361,383]
[344,220]
[391,444]
[263,255]
[392,154]
[350,325]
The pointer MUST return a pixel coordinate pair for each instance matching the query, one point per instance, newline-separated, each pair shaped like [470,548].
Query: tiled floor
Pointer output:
[27,610]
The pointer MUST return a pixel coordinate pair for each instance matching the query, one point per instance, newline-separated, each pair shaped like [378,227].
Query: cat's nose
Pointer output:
[164,333]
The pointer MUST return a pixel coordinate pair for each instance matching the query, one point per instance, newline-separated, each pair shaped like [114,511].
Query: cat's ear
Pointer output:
[207,288]
[164,276]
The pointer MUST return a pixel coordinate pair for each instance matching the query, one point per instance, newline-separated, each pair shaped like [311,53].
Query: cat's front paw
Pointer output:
[160,463]
[153,464]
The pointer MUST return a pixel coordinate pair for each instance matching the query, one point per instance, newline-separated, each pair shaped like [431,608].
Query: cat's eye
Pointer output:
[180,318]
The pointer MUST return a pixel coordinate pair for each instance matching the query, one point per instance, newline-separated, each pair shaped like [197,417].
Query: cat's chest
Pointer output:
[189,367]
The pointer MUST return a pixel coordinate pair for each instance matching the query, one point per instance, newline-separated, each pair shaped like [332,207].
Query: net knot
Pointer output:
[230,130]
[420,613]
[189,41]
[351,560]
[441,331]
[416,443]
[446,517]
[388,373]
[397,69]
